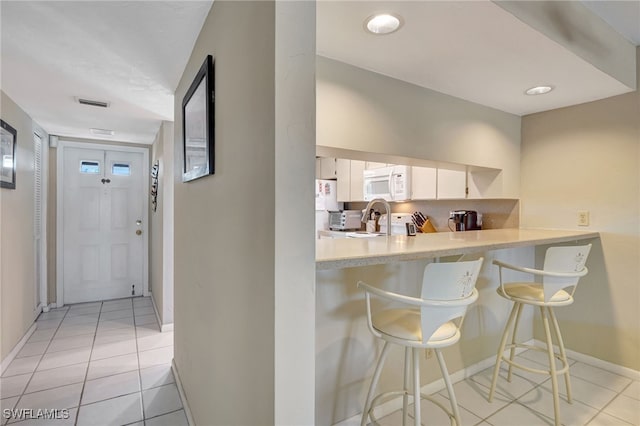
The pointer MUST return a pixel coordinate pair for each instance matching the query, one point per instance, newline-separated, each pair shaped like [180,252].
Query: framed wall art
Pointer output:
[8,136]
[198,124]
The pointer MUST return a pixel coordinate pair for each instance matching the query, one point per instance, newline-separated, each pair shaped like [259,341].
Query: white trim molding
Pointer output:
[163,327]
[60,211]
[396,404]
[183,397]
[16,349]
[596,362]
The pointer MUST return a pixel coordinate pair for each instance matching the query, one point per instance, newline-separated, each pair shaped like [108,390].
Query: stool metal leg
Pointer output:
[407,378]
[447,382]
[416,386]
[563,354]
[552,366]
[374,382]
[512,352]
[503,343]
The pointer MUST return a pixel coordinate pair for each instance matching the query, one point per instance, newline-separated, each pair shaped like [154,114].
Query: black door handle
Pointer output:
[106,181]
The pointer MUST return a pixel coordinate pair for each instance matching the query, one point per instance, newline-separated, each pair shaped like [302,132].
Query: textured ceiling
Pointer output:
[130,54]
[486,52]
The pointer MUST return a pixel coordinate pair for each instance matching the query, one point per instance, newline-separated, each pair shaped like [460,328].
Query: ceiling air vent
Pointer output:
[92,102]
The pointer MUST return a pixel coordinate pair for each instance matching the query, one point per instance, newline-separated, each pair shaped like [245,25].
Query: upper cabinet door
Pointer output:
[452,183]
[423,183]
[326,168]
[357,182]
[343,173]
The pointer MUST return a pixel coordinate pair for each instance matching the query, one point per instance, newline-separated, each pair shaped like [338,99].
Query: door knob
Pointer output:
[138,231]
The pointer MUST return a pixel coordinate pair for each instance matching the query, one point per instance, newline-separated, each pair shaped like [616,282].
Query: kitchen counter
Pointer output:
[352,252]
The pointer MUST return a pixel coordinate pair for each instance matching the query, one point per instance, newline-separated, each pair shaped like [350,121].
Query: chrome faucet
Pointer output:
[387,208]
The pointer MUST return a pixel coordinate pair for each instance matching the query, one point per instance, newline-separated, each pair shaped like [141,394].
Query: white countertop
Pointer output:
[350,252]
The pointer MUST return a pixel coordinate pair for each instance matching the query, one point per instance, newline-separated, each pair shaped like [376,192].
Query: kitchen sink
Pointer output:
[363,234]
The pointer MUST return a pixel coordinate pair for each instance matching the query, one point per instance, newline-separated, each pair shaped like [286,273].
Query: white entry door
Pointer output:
[103,241]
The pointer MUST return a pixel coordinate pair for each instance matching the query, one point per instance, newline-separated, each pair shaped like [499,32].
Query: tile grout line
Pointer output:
[86,373]
[516,400]
[92,347]
[164,414]
[39,361]
[135,334]
[601,411]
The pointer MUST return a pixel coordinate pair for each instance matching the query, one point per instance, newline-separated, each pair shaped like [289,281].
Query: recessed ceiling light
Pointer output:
[539,90]
[383,23]
[102,132]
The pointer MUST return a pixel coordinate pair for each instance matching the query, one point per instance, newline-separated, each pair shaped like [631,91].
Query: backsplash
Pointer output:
[496,213]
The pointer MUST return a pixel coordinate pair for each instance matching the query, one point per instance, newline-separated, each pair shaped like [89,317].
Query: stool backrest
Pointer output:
[563,259]
[451,287]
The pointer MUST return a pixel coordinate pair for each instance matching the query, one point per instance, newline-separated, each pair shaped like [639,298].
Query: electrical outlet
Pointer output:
[583,218]
[428,353]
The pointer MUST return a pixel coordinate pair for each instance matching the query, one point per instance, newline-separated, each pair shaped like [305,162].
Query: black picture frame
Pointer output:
[8,138]
[198,124]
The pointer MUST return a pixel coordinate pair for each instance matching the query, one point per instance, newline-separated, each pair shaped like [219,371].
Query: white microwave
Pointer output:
[390,183]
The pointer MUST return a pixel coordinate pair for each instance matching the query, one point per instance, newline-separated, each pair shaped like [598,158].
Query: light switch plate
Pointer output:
[583,218]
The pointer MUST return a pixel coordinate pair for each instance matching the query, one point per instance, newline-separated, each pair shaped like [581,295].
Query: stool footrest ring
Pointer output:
[375,402]
[564,369]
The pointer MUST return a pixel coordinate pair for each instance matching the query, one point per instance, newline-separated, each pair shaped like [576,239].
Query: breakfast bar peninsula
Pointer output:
[345,350]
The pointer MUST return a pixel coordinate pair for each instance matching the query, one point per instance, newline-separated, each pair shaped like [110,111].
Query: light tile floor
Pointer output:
[599,398]
[107,363]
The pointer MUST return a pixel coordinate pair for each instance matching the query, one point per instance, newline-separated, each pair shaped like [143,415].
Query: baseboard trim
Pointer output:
[163,327]
[395,404]
[596,362]
[183,397]
[16,349]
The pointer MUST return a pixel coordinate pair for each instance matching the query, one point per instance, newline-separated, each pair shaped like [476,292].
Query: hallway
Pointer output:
[96,363]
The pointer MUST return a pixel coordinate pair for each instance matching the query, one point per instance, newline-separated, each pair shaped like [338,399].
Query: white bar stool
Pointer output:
[432,321]
[563,267]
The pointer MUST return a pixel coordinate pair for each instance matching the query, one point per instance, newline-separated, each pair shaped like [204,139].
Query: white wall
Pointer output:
[364,111]
[295,293]
[17,254]
[587,157]
[161,226]
[166,195]
[237,254]
[156,244]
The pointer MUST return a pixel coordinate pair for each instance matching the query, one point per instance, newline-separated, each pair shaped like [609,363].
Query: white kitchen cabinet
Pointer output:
[357,182]
[452,182]
[349,174]
[423,183]
[484,183]
[326,168]
[343,173]
[370,165]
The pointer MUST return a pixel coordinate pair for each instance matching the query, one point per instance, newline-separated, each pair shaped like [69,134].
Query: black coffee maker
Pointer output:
[464,220]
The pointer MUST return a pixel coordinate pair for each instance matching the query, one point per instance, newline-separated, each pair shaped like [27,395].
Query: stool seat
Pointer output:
[533,293]
[406,324]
